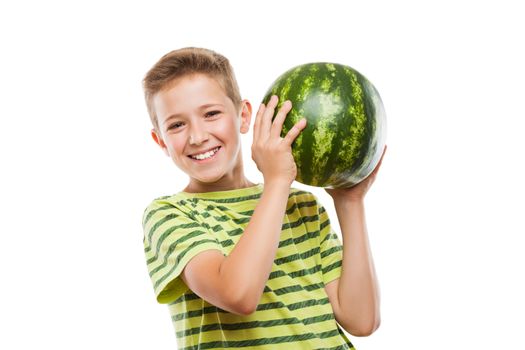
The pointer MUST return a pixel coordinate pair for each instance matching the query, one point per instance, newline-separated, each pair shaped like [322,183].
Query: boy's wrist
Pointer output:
[277,185]
[348,203]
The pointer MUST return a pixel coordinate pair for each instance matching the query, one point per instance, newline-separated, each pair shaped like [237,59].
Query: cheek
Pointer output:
[176,144]
[229,131]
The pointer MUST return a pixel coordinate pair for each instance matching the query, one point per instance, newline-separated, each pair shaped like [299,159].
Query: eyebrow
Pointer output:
[201,107]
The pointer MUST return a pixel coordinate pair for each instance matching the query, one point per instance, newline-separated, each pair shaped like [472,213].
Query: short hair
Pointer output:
[184,62]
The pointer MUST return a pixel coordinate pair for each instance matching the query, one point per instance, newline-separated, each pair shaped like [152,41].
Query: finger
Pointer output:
[295,131]
[277,125]
[266,118]
[257,123]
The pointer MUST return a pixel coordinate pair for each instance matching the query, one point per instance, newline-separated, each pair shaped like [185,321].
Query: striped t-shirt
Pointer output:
[294,311]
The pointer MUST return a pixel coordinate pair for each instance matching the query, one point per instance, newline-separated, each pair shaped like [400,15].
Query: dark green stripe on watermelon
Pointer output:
[357,142]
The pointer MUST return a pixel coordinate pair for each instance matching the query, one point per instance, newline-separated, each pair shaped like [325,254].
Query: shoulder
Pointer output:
[157,203]
[303,203]
[303,196]
[176,200]
[162,206]
[169,218]
[301,193]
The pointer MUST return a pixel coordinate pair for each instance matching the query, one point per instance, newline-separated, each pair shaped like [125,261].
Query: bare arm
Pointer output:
[247,268]
[356,292]
[355,295]
[236,282]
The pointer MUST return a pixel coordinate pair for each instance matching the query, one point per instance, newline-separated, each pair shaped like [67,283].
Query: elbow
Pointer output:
[244,309]
[364,324]
[247,311]
[243,306]
[248,306]
[365,329]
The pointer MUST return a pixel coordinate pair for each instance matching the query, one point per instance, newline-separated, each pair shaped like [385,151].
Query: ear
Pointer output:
[158,140]
[246,116]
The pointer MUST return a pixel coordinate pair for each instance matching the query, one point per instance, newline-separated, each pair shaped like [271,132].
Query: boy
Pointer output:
[244,265]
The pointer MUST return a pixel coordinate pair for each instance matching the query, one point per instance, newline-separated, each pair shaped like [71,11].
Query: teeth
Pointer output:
[206,155]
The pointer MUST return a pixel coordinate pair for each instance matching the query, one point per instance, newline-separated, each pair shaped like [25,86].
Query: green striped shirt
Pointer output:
[294,310]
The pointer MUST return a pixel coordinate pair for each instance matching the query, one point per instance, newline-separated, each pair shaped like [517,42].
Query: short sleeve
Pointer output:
[331,248]
[171,239]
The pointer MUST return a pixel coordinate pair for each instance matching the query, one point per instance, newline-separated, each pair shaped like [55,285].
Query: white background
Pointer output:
[445,216]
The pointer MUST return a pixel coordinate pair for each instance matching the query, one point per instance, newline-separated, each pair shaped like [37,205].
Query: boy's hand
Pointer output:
[357,192]
[272,153]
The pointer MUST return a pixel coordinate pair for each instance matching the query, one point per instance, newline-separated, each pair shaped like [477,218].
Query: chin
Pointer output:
[209,179]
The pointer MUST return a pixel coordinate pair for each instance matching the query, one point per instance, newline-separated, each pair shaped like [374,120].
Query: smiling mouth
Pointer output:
[205,155]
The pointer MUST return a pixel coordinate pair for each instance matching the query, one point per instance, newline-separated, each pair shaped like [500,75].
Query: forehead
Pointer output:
[188,92]
[197,83]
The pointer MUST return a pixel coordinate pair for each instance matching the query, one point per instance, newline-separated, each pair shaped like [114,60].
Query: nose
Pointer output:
[198,134]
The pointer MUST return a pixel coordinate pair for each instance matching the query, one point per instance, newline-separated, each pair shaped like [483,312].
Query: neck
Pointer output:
[200,187]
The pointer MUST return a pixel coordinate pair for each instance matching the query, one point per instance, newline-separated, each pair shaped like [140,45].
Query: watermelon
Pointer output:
[346,124]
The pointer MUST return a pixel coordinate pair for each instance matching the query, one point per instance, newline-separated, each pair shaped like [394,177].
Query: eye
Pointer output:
[212,113]
[175,125]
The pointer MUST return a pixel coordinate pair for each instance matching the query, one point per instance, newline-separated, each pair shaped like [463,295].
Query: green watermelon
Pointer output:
[346,124]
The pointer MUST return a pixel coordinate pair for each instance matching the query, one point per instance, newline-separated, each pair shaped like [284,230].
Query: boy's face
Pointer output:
[200,128]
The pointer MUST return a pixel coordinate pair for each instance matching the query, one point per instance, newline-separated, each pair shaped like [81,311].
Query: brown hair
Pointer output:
[187,61]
